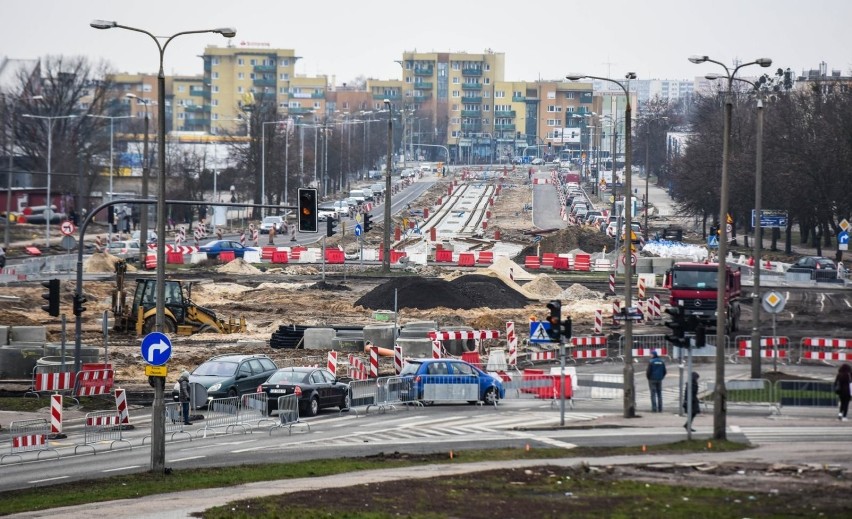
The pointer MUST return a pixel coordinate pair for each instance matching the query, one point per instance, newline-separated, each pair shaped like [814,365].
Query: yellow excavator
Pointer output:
[182,316]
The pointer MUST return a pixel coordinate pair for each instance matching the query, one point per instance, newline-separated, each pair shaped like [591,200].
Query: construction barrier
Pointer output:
[222,413]
[100,427]
[512,342]
[357,368]
[174,258]
[589,347]
[28,436]
[254,407]
[547,259]
[583,262]
[751,392]
[825,349]
[363,393]
[770,348]
[466,259]
[47,382]
[561,263]
[226,256]
[599,386]
[532,262]
[805,393]
[56,416]
[443,256]
[279,256]
[539,384]
[288,414]
[485,258]
[121,407]
[91,382]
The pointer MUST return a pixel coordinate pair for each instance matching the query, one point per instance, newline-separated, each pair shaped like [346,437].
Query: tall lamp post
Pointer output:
[158,438]
[719,392]
[48,212]
[389,169]
[629,383]
[112,119]
[146,169]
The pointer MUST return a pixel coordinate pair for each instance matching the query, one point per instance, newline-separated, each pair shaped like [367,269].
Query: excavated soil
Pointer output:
[462,293]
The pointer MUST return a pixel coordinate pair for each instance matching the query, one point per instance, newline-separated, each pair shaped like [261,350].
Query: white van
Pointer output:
[368,193]
[358,195]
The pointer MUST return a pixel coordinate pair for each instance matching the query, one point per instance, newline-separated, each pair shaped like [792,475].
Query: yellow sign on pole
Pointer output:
[156,371]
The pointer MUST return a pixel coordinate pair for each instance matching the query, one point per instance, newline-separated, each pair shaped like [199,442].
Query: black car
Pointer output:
[819,268]
[316,388]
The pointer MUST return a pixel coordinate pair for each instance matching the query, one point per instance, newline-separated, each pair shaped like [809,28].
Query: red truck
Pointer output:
[693,287]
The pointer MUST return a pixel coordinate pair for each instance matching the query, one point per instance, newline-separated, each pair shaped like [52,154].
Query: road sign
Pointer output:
[67,228]
[843,240]
[156,348]
[68,242]
[631,313]
[844,224]
[770,218]
[538,331]
[358,229]
[773,302]
[156,371]
[713,241]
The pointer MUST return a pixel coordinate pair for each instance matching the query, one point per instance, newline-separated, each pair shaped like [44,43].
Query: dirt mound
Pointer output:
[542,286]
[322,285]
[103,262]
[463,293]
[238,266]
[588,239]
[578,292]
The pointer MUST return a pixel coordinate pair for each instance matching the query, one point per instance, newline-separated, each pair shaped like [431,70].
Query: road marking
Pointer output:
[121,468]
[735,429]
[48,479]
[556,443]
[186,459]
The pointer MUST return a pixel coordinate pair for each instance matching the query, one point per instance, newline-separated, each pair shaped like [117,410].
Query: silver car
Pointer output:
[125,249]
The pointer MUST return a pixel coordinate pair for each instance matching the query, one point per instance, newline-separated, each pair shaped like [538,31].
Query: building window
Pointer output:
[284,76]
[408,79]
[551,95]
[569,109]
[569,95]
[214,102]
[182,89]
[251,75]
[215,61]
[456,93]
[181,116]
[239,90]
[488,81]
[241,75]
[284,62]
[455,108]
[487,66]
[317,105]
[499,94]
[146,87]
[455,80]
[253,62]
[215,89]
[486,94]
[240,62]
[456,65]
[282,90]
[215,75]
[486,108]
[554,108]
[407,65]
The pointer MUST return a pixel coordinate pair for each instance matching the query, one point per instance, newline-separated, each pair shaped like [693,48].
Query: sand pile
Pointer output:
[542,285]
[473,291]
[503,265]
[238,266]
[103,262]
[578,292]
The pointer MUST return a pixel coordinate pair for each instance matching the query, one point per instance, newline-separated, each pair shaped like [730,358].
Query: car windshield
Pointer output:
[410,368]
[216,368]
[697,279]
[286,376]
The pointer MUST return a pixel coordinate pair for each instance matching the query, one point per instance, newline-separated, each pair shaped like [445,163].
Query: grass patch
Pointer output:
[132,486]
[32,404]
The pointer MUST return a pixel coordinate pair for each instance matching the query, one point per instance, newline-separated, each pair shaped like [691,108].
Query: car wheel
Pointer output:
[232,392]
[347,402]
[490,397]
[313,406]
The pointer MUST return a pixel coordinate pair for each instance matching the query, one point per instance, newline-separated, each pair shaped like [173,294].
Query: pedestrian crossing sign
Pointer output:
[712,241]
[538,331]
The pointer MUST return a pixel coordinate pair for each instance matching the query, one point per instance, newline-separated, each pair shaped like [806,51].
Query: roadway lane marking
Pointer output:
[121,468]
[545,440]
[735,429]
[48,479]
[186,459]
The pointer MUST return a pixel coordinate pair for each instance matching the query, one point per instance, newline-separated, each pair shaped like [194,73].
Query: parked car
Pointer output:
[269,222]
[316,388]
[137,235]
[216,247]
[231,375]
[538,161]
[124,249]
[326,212]
[819,268]
[451,371]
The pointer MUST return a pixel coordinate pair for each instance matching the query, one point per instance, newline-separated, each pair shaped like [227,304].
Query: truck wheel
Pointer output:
[169,326]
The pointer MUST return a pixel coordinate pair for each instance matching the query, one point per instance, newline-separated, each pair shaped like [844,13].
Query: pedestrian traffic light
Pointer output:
[554,319]
[566,327]
[677,326]
[52,297]
[331,226]
[368,222]
[78,304]
[308,210]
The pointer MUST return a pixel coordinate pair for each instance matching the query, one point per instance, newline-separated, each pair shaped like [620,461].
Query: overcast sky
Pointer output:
[541,39]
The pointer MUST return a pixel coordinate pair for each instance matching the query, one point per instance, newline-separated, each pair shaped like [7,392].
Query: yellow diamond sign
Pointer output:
[844,224]
[773,302]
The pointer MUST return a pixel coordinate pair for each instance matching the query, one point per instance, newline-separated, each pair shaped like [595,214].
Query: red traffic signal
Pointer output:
[308,216]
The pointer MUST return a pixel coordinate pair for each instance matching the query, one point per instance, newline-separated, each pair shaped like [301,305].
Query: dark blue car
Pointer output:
[419,373]
[216,247]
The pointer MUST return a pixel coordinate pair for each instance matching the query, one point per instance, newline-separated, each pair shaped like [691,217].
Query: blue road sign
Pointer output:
[538,331]
[358,229]
[843,237]
[713,241]
[156,349]
[770,218]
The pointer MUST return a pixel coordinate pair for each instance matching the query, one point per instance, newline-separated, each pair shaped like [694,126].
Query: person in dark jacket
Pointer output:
[842,383]
[183,396]
[655,374]
[691,395]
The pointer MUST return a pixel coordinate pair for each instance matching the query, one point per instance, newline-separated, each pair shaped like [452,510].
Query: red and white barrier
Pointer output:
[374,362]
[121,407]
[658,313]
[397,359]
[641,287]
[770,348]
[585,347]
[54,381]
[596,353]
[598,330]
[646,352]
[826,348]
[464,335]
[55,414]
[94,382]
[537,356]
[357,369]
[616,310]
[612,282]
[436,349]
[512,341]
[331,363]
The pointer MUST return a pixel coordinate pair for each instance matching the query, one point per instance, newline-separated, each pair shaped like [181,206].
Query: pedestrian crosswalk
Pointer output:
[784,434]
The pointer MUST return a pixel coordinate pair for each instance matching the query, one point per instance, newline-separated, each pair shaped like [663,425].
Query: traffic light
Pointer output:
[677,326]
[566,327]
[700,336]
[554,319]
[52,296]
[368,222]
[78,304]
[308,210]
[331,225]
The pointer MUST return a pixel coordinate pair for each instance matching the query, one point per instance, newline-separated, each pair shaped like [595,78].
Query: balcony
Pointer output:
[471,99]
[471,113]
[389,97]
[318,95]
[422,98]
[519,99]
[504,113]
[299,110]
[471,127]
[422,85]
[504,127]
[193,108]
[471,86]
[264,68]
[471,71]
[196,123]
[196,91]
[264,82]
[423,71]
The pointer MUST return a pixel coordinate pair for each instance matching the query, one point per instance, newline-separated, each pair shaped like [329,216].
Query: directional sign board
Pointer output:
[358,229]
[538,331]
[773,302]
[843,240]
[156,349]
[770,218]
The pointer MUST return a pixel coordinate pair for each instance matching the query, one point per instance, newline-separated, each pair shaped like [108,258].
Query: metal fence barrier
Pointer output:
[599,386]
[28,436]
[534,383]
[363,393]
[254,407]
[752,392]
[174,421]
[288,414]
[805,393]
[446,388]
[102,426]
[222,412]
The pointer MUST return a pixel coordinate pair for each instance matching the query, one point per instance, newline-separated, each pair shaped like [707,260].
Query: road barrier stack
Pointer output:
[100,427]
[222,413]
[288,414]
[774,347]
[357,368]
[28,436]
[589,347]
[825,349]
[91,382]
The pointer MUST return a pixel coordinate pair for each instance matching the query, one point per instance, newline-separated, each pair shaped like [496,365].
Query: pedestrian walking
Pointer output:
[690,399]
[655,373]
[183,395]
[843,389]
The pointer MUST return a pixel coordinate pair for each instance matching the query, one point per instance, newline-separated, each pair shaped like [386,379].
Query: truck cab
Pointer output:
[693,287]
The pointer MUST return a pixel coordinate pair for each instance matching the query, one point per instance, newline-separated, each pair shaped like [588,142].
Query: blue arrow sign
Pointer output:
[156,349]
[358,229]
[843,237]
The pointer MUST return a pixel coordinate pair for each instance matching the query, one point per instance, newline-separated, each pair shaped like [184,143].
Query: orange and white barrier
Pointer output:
[94,382]
[397,359]
[331,363]
[826,348]
[374,362]
[121,407]
[512,341]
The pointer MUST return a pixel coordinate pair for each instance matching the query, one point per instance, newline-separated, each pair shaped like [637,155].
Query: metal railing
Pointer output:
[100,427]
[288,414]
[28,436]
[222,413]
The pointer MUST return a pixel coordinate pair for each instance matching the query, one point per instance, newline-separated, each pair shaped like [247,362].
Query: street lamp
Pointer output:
[143,222]
[629,383]
[12,110]
[48,210]
[387,202]
[158,440]
[112,119]
[720,393]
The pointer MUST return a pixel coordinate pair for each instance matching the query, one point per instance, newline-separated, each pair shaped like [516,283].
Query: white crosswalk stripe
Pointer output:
[786,434]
